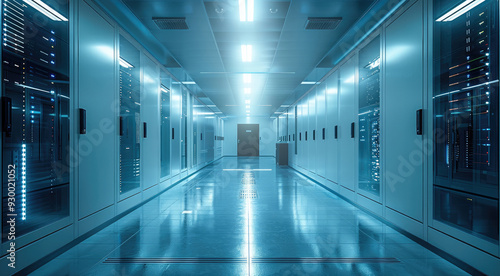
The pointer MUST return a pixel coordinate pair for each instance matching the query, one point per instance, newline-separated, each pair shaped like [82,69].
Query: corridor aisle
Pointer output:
[246,216]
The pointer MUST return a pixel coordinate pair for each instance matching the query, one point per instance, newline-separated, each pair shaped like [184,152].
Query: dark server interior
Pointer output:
[130,116]
[35,95]
[466,119]
[369,117]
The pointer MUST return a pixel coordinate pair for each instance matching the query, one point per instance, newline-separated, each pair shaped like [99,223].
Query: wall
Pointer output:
[267,132]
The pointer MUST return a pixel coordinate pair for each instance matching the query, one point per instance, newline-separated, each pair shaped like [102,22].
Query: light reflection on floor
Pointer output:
[290,218]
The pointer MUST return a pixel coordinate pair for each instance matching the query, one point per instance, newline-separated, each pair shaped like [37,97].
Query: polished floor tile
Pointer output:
[246,216]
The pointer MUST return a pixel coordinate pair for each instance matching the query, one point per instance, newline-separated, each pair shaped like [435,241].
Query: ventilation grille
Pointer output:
[322,23]
[248,193]
[171,23]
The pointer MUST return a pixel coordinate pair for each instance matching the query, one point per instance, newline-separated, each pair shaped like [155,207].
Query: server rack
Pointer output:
[369,117]
[466,118]
[130,117]
[35,109]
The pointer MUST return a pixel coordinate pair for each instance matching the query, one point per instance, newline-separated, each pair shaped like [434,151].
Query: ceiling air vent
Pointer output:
[171,23]
[322,23]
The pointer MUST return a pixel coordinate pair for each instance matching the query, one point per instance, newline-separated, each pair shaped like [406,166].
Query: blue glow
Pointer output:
[23,179]
[52,62]
[447,155]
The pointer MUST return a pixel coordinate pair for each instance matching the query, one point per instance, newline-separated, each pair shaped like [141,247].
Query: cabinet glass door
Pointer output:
[165,127]
[35,116]
[369,117]
[130,117]
[466,116]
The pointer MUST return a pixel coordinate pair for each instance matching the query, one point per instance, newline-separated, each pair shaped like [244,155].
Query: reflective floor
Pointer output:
[246,216]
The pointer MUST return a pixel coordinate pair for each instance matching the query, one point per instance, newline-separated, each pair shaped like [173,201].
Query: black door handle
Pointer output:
[314,135]
[201,136]
[145,129]
[173,133]
[122,126]
[352,129]
[306,135]
[336,132]
[324,133]
[419,122]
[83,121]
[300,136]
[7,116]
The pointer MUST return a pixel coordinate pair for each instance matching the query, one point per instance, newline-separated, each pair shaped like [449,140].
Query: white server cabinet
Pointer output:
[150,117]
[332,127]
[347,125]
[321,143]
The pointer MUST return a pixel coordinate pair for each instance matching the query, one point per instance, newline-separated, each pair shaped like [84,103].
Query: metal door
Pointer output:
[248,140]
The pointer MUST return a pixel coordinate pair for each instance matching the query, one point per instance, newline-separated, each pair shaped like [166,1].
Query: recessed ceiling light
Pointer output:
[246,10]
[125,63]
[248,106]
[184,82]
[308,82]
[247,78]
[248,91]
[459,10]
[48,11]
[187,212]
[246,53]
[164,89]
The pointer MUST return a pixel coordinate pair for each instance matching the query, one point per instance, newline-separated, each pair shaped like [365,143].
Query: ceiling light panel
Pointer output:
[459,10]
[246,10]
[247,78]
[246,53]
[46,10]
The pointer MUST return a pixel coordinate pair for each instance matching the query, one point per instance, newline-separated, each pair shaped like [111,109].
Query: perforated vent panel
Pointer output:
[171,23]
[322,23]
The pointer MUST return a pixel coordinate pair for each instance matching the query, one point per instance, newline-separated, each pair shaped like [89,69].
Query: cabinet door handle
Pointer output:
[83,121]
[173,133]
[201,136]
[324,134]
[352,129]
[145,129]
[419,122]
[7,116]
[336,132]
[122,126]
[306,135]
[314,135]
